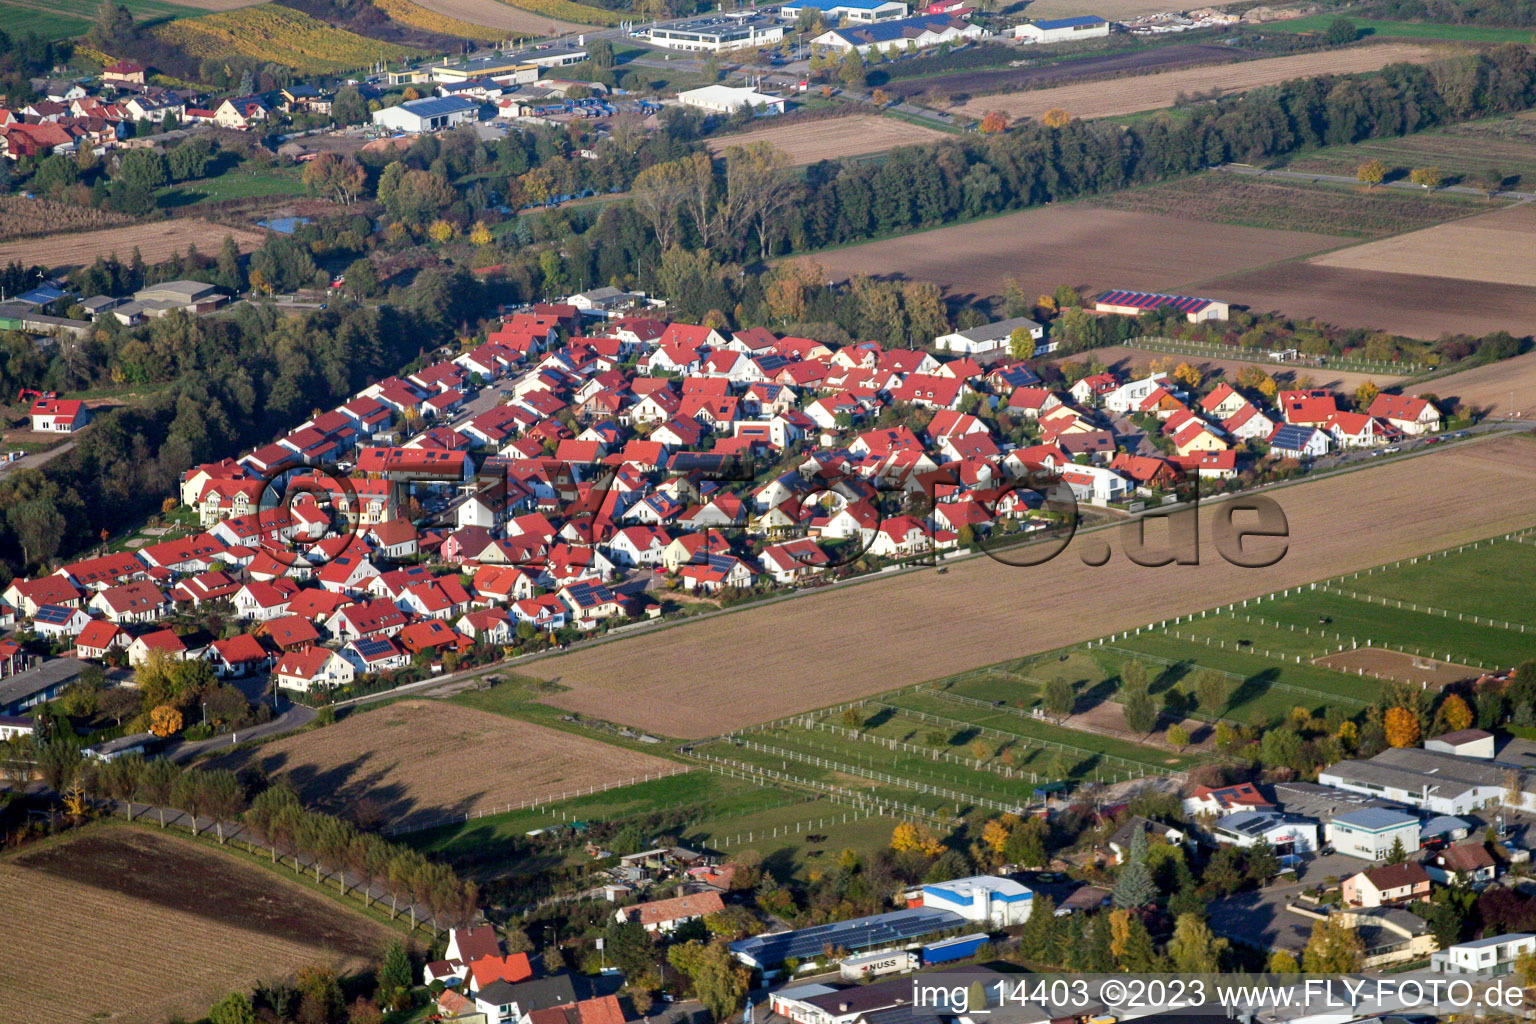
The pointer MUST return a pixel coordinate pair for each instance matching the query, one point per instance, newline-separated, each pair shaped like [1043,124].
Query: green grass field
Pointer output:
[1371,27]
[236,184]
[1493,581]
[65,19]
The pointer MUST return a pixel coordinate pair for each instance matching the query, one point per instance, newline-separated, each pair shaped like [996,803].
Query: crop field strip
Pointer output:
[282,35]
[1492,248]
[1506,388]
[1507,143]
[1153,92]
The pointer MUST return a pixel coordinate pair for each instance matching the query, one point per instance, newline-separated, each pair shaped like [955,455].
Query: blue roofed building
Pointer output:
[982,899]
[898,34]
[1062,30]
[856,11]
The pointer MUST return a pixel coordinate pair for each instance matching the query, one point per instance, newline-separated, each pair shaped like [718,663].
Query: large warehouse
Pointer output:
[428,114]
[726,99]
[896,35]
[1062,30]
[1131,303]
[718,35]
[858,11]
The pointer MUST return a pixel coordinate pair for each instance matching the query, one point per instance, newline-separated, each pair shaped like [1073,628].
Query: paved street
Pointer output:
[1344,179]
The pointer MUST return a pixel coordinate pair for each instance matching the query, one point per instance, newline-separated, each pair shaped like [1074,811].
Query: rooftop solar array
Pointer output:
[373,646]
[1153,300]
[860,933]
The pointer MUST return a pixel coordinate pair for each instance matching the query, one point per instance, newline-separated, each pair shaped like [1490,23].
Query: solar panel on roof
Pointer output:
[373,647]
[860,933]
[53,614]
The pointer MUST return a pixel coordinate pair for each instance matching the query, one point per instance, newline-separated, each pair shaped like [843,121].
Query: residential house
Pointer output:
[667,915]
[1387,885]
[312,667]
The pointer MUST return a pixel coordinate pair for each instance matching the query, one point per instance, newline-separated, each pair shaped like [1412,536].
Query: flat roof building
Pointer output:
[718,35]
[1127,303]
[856,11]
[861,933]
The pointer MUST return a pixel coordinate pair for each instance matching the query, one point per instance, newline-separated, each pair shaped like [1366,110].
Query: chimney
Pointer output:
[843,1007]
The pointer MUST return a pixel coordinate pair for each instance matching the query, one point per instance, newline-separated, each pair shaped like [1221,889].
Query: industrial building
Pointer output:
[983,899]
[1285,833]
[719,35]
[428,114]
[1371,833]
[1194,309]
[1062,30]
[1433,781]
[727,99]
[861,12]
[899,34]
[878,931]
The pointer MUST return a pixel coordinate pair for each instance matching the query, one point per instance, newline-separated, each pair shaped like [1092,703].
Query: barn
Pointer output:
[1062,30]
[428,114]
[1131,303]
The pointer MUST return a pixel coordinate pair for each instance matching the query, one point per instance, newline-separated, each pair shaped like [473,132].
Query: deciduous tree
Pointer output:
[1402,727]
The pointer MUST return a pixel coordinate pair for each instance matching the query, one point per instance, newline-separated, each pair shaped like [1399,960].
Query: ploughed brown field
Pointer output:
[495,14]
[806,142]
[1494,248]
[1126,358]
[1153,92]
[1074,244]
[417,760]
[1415,305]
[157,242]
[1493,387]
[123,925]
[730,671]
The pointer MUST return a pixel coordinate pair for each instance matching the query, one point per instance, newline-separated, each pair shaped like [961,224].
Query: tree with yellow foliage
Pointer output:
[1348,736]
[1365,394]
[1056,117]
[1402,727]
[1189,374]
[1455,714]
[995,833]
[910,836]
[1371,173]
[442,231]
[480,234]
[165,721]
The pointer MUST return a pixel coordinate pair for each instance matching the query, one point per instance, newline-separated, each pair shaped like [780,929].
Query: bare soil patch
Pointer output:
[1074,244]
[494,14]
[806,142]
[1154,92]
[418,760]
[1415,305]
[219,5]
[1408,668]
[1114,10]
[198,924]
[1494,248]
[702,678]
[1161,58]
[156,242]
[1126,358]
[1502,389]
[21,217]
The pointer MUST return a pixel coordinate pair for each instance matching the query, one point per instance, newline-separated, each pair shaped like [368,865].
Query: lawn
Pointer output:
[521,697]
[1493,581]
[18,21]
[67,18]
[239,183]
[1408,30]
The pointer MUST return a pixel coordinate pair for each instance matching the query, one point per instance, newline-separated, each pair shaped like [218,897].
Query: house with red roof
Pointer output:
[164,641]
[59,415]
[1249,424]
[486,625]
[666,915]
[1408,413]
[599,1010]
[289,632]
[1222,800]
[433,637]
[240,655]
[793,561]
[98,639]
[103,572]
[27,596]
[139,601]
[1359,430]
[367,618]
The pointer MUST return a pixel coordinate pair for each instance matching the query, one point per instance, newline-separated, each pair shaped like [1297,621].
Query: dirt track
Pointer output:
[1153,92]
[734,670]
[1073,244]
[806,142]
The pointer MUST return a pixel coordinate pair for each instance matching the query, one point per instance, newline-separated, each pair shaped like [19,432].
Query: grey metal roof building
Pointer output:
[858,934]
[35,685]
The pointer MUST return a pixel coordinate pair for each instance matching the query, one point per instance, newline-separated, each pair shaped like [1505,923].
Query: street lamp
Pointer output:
[205,714]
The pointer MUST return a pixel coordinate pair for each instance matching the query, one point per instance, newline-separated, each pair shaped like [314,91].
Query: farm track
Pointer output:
[823,648]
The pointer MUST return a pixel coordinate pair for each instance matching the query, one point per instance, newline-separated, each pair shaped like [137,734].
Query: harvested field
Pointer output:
[1384,664]
[1114,10]
[1494,248]
[1291,206]
[418,760]
[200,924]
[1125,357]
[156,242]
[1137,62]
[806,142]
[1071,244]
[1153,92]
[1492,388]
[21,217]
[888,633]
[1415,305]
[495,14]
